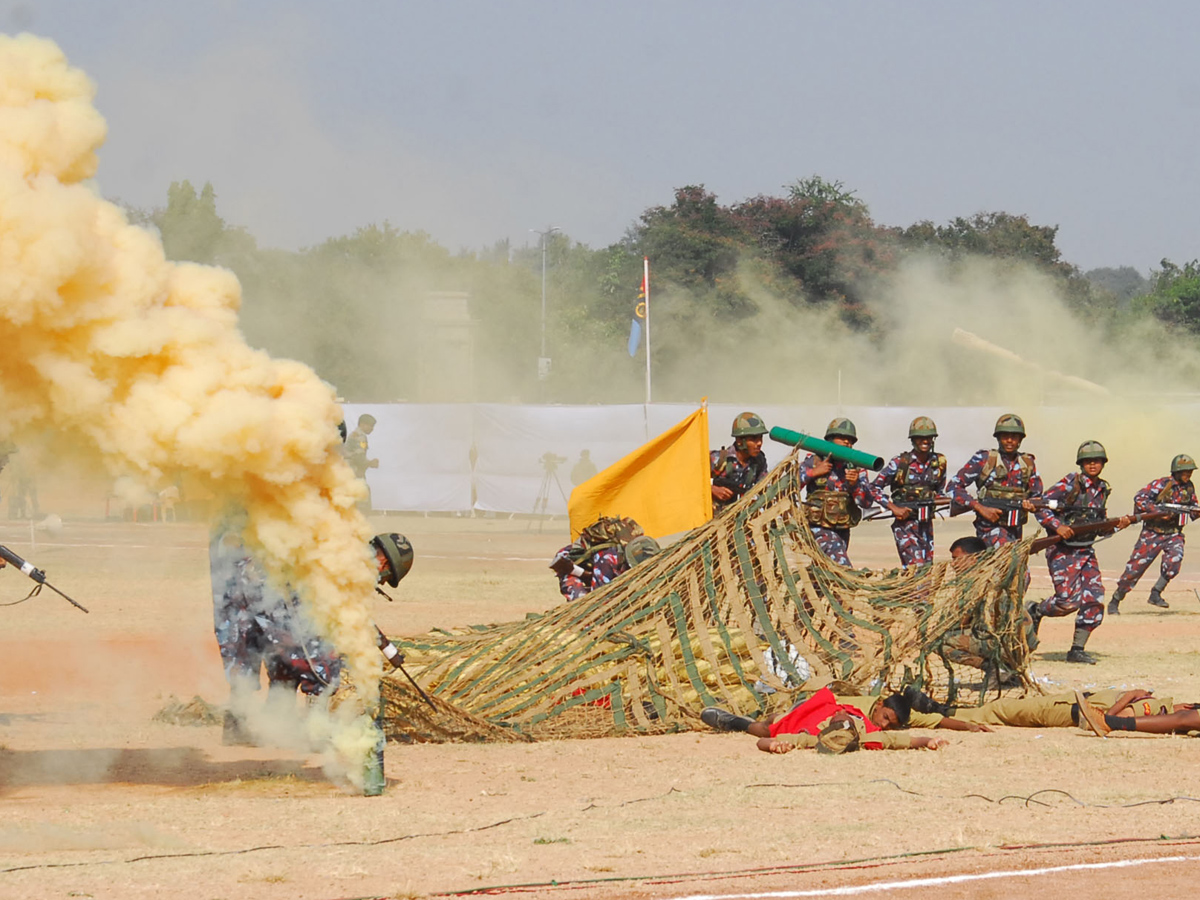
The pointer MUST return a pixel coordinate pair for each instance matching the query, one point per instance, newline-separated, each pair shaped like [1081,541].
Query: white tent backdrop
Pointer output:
[425,450]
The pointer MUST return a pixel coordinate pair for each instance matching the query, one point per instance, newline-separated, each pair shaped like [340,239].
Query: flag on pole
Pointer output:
[664,484]
[639,319]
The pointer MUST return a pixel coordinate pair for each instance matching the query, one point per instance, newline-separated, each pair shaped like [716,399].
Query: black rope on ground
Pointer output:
[376,843]
[1026,799]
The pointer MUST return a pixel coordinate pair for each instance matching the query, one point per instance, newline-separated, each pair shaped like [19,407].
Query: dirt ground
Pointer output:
[100,801]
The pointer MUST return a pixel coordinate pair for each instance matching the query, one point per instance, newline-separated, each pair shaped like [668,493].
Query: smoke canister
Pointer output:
[374,780]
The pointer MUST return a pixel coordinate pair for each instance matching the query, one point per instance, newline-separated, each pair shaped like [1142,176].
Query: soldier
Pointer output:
[1005,483]
[738,468]
[257,625]
[1082,498]
[355,452]
[835,494]
[1159,535]
[916,478]
[605,549]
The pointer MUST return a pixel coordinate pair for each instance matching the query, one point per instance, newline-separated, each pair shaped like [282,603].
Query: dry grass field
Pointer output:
[100,801]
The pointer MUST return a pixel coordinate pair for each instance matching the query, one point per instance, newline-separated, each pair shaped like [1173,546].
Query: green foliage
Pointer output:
[357,307]
[1175,295]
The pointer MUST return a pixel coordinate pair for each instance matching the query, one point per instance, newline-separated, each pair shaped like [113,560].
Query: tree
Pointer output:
[1175,294]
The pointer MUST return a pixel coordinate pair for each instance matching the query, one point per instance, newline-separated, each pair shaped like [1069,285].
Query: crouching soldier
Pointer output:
[605,549]
[1160,534]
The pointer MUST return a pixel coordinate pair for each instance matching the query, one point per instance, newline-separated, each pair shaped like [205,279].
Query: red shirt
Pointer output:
[811,716]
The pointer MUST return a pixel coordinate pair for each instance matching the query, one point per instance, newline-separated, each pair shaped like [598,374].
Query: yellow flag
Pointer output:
[663,485]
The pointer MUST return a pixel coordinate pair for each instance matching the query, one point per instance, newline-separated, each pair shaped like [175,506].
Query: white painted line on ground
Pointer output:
[882,886]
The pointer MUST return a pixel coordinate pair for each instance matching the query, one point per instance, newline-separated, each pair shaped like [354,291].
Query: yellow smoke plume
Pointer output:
[137,363]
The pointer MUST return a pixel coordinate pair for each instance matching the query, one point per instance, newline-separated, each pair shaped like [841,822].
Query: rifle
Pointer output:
[997,503]
[396,658]
[935,503]
[28,568]
[1104,525]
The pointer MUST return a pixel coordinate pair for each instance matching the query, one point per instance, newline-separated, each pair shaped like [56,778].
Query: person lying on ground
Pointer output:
[1049,711]
[1183,719]
[833,727]
[910,709]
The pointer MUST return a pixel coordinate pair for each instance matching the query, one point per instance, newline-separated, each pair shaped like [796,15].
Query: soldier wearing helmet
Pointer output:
[1079,498]
[835,494]
[1175,496]
[915,478]
[1006,482]
[608,547]
[737,468]
[355,452]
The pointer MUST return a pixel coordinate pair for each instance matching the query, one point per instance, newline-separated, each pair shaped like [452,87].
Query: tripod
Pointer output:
[549,475]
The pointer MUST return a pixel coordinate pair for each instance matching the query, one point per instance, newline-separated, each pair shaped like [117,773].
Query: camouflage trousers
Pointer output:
[998,536]
[834,543]
[606,566]
[914,542]
[1149,545]
[249,640]
[1077,586]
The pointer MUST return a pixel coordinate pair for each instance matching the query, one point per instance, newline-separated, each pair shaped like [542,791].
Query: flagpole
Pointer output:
[646,282]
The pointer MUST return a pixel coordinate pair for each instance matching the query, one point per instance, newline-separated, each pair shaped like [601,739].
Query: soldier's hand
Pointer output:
[975,726]
[900,512]
[852,476]
[1027,505]
[782,747]
[1125,522]
[1066,532]
[721,493]
[820,467]
[989,513]
[937,743]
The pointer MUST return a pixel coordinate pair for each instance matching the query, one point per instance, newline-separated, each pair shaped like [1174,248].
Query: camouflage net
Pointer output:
[740,613]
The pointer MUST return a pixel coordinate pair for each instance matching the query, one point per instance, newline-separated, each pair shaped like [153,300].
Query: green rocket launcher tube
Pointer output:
[826,448]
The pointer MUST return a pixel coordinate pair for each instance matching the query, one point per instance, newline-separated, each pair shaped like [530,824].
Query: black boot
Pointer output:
[234,733]
[1035,620]
[1114,604]
[724,720]
[1077,654]
[1156,598]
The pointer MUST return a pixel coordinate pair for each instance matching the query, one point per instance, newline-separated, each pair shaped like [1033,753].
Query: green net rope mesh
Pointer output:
[739,613]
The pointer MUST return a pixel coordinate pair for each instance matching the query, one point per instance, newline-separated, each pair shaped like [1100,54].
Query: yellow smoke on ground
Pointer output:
[136,364]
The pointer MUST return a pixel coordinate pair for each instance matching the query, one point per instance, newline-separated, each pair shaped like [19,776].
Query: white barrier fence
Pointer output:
[491,457]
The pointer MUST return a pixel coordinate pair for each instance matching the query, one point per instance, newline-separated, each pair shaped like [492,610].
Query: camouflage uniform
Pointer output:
[256,625]
[833,533]
[993,471]
[1073,566]
[728,471]
[1163,536]
[910,479]
[601,567]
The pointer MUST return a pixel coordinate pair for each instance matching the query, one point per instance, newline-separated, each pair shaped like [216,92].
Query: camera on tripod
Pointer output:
[551,461]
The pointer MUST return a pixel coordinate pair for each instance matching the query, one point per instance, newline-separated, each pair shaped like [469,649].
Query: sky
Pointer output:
[478,121]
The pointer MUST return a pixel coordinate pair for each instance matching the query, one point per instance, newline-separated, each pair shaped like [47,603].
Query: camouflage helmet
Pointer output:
[922,426]
[841,428]
[1090,450]
[640,549]
[1182,463]
[748,424]
[399,555]
[1009,423]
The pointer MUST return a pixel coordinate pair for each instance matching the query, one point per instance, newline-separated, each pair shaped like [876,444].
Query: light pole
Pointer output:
[543,362]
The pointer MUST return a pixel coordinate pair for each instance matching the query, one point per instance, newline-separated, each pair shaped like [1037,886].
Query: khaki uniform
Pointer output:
[355,452]
[1050,711]
[891,740]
